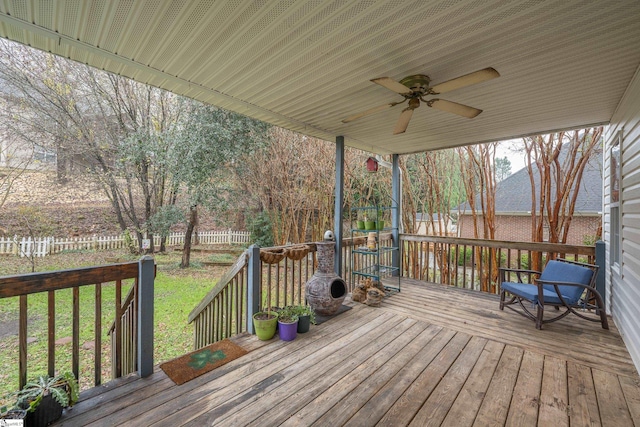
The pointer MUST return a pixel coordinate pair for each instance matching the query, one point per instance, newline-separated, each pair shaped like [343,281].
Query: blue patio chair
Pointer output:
[564,285]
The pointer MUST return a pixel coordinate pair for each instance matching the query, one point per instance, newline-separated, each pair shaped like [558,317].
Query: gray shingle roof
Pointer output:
[513,194]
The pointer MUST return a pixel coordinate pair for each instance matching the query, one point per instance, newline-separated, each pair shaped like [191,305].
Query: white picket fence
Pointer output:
[42,246]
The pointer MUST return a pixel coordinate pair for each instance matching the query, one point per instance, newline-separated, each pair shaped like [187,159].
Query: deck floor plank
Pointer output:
[554,399]
[525,401]
[494,410]
[463,411]
[437,406]
[461,302]
[582,396]
[613,407]
[405,408]
[430,355]
[631,389]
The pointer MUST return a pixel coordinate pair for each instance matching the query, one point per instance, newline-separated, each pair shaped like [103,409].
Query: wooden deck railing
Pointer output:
[123,332]
[466,263]
[223,311]
[136,273]
[474,263]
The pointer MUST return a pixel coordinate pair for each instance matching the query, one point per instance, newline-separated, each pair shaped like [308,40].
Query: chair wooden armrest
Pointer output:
[505,273]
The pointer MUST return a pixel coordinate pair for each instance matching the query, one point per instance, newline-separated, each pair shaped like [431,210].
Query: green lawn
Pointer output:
[177,292]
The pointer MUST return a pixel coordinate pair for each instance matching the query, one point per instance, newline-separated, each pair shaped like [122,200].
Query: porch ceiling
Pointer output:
[306,64]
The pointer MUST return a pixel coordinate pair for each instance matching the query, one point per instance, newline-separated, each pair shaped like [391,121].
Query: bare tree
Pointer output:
[478,170]
[555,164]
[293,181]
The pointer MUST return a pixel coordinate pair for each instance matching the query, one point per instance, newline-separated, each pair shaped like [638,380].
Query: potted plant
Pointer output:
[306,316]
[46,397]
[287,324]
[369,221]
[360,220]
[380,220]
[265,322]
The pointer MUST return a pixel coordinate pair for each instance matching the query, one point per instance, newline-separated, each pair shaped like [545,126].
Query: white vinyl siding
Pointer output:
[623,281]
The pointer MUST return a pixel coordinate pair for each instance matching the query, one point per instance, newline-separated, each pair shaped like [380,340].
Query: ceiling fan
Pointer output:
[415,88]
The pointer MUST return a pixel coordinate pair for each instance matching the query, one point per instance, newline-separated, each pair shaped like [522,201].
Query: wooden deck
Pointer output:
[431,355]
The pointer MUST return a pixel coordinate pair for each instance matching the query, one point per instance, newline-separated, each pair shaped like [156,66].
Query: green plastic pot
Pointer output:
[360,225]
[380,225]
[265,328]
[369,225]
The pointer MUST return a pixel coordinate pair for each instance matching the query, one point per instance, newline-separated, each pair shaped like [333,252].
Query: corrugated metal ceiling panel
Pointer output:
[306,64]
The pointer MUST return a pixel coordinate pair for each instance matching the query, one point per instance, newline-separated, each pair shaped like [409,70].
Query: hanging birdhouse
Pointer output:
[372,165]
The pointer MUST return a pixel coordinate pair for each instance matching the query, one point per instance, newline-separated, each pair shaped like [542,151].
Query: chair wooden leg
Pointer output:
[600,310]
[502,297]
[539,317]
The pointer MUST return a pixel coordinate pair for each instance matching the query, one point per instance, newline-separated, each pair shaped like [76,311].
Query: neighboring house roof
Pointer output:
[513,194]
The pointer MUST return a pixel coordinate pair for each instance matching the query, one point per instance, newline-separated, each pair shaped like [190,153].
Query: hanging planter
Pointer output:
[272,256]
[296,253]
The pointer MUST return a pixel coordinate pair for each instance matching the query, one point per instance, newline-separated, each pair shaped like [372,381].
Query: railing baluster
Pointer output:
[97,349]
[227,311]
[51,333]
[75,335]
[22,339]
[118,330]
[286,292]
[464,266]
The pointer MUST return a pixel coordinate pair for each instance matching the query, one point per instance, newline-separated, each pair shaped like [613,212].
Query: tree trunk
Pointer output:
[186,251]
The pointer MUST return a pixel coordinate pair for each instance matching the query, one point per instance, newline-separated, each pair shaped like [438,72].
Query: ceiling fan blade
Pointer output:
[466,80]
[391,84]
[454,107]
[403,121]
[370,111]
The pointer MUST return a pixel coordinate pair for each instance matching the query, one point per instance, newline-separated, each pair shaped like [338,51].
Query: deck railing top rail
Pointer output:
[25,284]
[503,244]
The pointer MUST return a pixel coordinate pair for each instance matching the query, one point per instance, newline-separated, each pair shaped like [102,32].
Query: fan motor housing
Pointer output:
[418,83]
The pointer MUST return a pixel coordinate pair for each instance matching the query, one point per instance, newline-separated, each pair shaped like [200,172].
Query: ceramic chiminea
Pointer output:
[325,290]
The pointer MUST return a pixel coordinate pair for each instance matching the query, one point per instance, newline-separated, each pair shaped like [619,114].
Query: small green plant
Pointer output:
[287,315]
[302,310]
[63,388]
